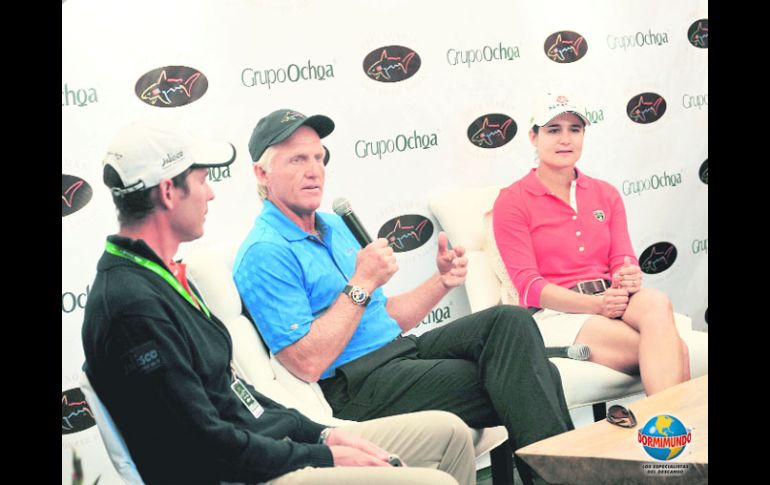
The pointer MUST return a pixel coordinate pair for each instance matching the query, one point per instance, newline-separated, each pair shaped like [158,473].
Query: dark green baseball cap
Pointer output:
[280,124]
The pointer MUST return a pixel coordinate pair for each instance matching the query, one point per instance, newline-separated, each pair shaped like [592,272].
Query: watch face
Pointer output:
[358,295]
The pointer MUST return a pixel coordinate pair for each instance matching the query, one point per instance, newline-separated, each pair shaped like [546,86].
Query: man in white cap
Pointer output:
[160,360]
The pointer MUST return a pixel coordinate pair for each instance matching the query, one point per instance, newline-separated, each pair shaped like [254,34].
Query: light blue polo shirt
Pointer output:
[287,278]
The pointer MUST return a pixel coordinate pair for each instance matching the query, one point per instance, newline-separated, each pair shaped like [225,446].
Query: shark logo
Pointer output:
[703,172]
[492,130]
[407,232]
[292,116]
[658,257]
[76,415]
[75,194]
[171,86]
[646,108]
[391,64]
[565,47]
[698,34]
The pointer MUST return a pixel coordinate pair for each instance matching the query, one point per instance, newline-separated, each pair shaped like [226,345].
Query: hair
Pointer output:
[265,162]
[535,128]
[136,206]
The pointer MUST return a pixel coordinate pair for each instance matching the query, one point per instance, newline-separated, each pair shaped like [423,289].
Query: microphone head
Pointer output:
[341,206]
[579,352]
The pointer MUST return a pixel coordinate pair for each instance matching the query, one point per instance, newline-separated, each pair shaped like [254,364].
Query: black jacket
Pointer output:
[162,368]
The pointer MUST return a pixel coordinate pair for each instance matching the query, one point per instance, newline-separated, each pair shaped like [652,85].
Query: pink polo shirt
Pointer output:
[543,240]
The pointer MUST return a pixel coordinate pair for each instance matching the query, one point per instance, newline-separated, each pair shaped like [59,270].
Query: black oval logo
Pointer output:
[703,172]
[406,232]
[391,64]
[492,130]
[706,316]
[658,257]
[698,34]
[171,86]
[565,47]
[76,414]
[75,194]
[646,108]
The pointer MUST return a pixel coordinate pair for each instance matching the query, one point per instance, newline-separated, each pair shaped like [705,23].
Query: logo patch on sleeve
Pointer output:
[142,359]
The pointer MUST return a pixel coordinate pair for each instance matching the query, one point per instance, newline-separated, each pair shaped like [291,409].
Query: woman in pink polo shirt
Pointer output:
[564,240]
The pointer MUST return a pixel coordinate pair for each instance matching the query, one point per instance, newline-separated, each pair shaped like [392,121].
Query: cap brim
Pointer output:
[576,113]
[322,125]
[209,154]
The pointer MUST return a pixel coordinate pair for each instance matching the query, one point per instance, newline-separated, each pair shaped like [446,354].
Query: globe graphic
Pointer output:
[663,426]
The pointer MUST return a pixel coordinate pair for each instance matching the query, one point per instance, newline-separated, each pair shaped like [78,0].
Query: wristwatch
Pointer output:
[357,295]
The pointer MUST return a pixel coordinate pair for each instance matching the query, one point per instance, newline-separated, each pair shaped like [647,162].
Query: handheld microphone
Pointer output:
[342,208]
[577,352]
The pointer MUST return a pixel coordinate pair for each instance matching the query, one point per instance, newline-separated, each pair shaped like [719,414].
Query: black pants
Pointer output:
[488,368]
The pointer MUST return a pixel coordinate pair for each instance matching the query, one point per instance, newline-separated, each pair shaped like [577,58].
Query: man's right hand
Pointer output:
[375,265]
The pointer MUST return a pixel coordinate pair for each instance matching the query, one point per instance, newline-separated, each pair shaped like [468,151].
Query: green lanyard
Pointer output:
[160,271]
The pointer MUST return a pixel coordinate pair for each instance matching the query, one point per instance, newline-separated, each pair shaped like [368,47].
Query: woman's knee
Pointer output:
[653,299]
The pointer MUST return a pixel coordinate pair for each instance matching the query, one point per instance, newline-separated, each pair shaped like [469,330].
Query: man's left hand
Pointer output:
[452,263]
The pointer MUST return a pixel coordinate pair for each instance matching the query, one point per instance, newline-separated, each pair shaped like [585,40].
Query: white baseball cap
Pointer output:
[550,106]
[146,152]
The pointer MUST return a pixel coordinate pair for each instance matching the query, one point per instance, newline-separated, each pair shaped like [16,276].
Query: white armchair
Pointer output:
[461,213]
[210,270]
[111,436]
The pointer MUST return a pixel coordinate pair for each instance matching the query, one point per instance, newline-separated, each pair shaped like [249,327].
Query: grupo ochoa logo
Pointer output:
[255,77]
[71,301]
[437,315]
[76,415]
[700,246]
[77,96]
[216,174]
[75,194]
[653,182]
[658,257]
[391,64]
[492,130]
[487,53]
[407,232]
[695,101]
[664,437]
[399,143]
[171,86]
[703,172]
[646,108]
[698,34]
[565,47]
[638,39]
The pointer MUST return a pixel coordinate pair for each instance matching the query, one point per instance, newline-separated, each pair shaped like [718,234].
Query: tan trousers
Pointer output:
[436,445]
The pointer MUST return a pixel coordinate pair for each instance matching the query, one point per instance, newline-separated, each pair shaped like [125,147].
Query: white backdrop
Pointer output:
[475,59]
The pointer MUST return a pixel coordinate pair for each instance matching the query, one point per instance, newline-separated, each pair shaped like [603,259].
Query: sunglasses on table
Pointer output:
[621,416]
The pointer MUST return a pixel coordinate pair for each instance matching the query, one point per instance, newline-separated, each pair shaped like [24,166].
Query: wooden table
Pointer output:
[604,453]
